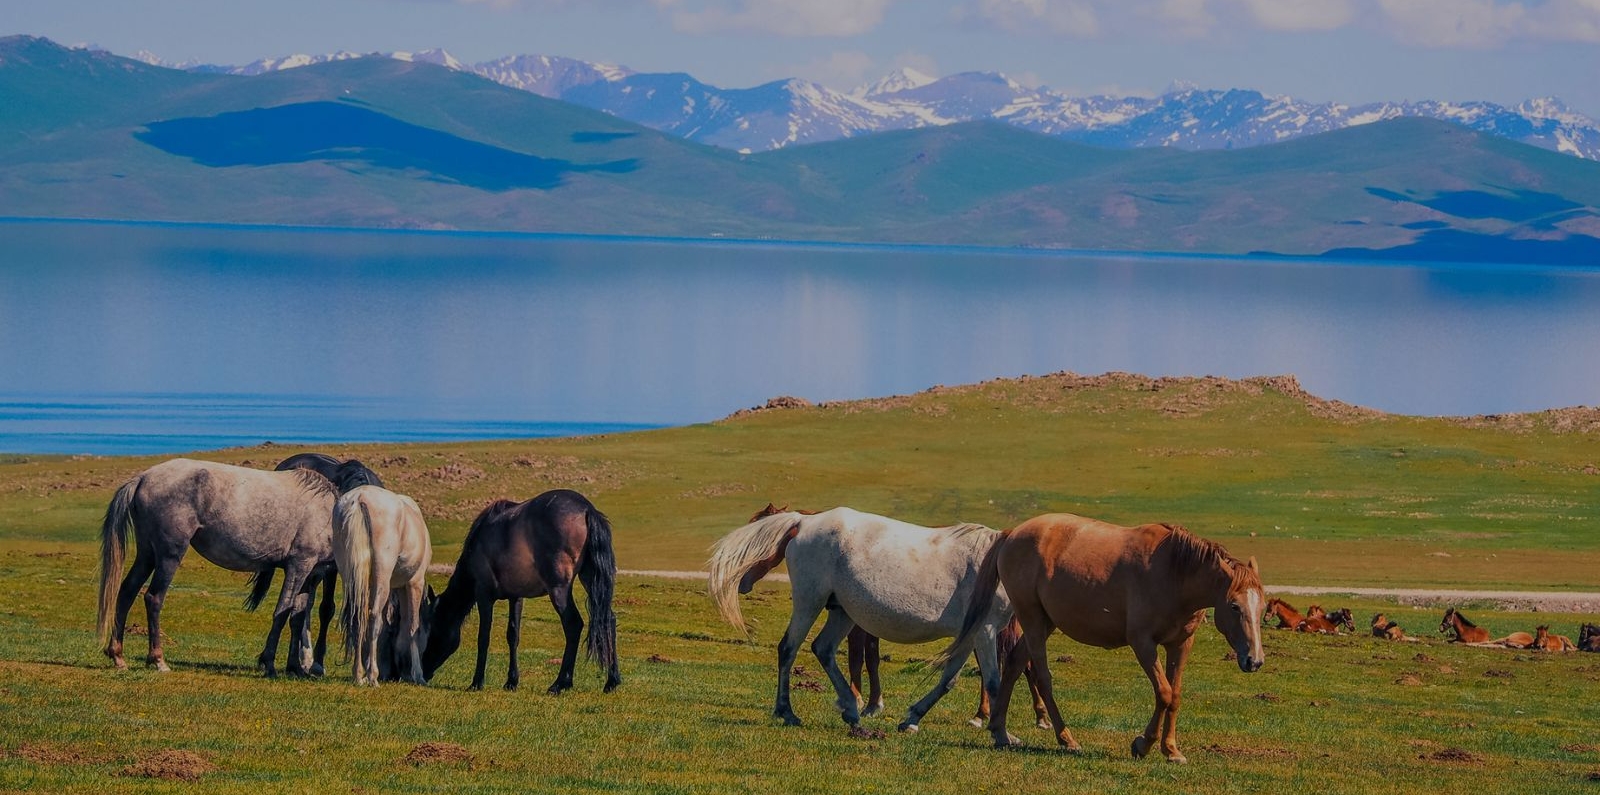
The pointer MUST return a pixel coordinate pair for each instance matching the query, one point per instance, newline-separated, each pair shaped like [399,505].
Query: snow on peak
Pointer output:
[903,79]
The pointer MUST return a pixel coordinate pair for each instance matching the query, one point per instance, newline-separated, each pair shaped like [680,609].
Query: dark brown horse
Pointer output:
[522,550]
[862,652]
[1589,637]
[1458,629]
[345,476]
[1147,587]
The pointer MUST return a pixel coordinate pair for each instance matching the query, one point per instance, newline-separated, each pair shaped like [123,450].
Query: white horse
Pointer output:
[902,582]
[381,544]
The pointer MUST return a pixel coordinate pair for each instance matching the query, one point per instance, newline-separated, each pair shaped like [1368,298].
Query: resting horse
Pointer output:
[1589,637]
[862,652]
[381,544]
[1147,587]
[1327,623]
[1458,629]
[899,581]
[1382,627]
[1544,641]
[240,519]
[1288,617]
[345,475]
[518,550]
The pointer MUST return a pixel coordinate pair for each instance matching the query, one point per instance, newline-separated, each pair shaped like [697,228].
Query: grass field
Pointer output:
[1321,493]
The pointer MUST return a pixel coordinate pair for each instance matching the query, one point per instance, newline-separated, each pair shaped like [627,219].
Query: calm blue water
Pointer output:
[149,338]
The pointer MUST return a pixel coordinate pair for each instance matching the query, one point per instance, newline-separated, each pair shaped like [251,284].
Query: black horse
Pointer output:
[345,475]
[520,550]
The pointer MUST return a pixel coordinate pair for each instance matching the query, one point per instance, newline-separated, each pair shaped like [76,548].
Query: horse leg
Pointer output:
[485,629]
[143,566]
[826,647]
[375,624]
[294,576]
[1040,715]
[999,692]
[154,597]
[875,682]
[1177,657]
[800,621]
[572,627]
[514,640]
[320,654]
[1144,649]
[856,654]
[300,652]
[410,626]
[1036,629]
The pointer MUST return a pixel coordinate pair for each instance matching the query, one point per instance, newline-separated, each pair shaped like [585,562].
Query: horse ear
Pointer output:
[1252,564]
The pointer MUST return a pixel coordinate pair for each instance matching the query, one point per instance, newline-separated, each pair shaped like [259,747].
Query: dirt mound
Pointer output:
[52,754]
[171,764]
[1452,755]
[856,732]
[431,753]
[778,403]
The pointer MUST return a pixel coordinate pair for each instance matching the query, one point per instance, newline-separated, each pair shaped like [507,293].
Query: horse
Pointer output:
[1382,627]
[1589,637]
[1327,623]
[381,543]
[1458,629]
[1110,586]
[345,476]
[898,581]
[238,518]
[1544,641]
[1288,617]
[861,651]
[515,551]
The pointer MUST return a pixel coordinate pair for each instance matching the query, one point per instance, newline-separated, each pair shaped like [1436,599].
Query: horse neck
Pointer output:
[1205,588]
[1461,621]
[458,599]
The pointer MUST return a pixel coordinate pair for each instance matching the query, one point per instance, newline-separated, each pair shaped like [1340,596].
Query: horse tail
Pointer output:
[353,552]
[260,583]
[744,556]
[979,601]
[598,570]
[113,551]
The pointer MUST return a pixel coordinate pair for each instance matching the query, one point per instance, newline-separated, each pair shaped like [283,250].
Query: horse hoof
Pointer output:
[910,728]
[475,687]
[1141,746]
[873,711]
[1044,723]
[612,685]
[317,670]
[976,723]
[161,665]
[1177,758]
[1010,741]
[790,720]
[1072,749]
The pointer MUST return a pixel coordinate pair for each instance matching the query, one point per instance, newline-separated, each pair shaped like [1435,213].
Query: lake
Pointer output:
[123,338]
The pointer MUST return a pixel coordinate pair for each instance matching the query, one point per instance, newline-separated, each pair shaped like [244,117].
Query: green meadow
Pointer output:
[1321,493]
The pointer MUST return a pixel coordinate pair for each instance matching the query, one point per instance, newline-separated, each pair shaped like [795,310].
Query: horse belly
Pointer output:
[225,550]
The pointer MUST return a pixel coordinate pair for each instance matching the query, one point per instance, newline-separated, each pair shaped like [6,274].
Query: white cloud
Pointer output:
[1296,15]
[1183,17]
[1076,18]
[779,17]
[1452,23]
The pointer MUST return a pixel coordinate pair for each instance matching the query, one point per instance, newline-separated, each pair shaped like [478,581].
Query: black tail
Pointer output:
[260,583]
[598,570]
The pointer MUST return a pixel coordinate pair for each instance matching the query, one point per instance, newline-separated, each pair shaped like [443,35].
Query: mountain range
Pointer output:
[788,112]
[411,144]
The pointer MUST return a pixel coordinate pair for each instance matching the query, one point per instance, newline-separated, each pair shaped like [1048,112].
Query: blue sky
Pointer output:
[1342,50]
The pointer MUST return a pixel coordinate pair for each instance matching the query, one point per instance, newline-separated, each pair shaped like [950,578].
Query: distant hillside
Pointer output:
[380,142]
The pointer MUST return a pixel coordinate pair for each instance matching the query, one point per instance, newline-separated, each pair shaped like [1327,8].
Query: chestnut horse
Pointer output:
[1327,623]
[1544,641]
[861,651]
[1288,617]
[1104,585]
[1458,629]
[1382,627]
[520,550]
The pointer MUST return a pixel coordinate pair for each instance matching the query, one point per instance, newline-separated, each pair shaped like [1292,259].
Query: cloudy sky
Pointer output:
[1350,51]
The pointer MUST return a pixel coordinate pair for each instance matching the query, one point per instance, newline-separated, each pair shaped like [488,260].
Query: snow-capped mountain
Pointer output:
[788,112]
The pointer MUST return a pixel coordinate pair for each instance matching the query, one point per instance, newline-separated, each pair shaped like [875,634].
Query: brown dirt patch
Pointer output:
[858,733]
[658,658]
[1499,673]
[431,753]
[1257,752]
[1270,698]
[171,764]
[811,685]
[1452,755]
[1409,680]
[54,754]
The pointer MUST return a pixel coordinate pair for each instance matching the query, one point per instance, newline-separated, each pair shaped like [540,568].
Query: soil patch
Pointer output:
[1452,755]
[431,753]
[43,754]
[171,764]
[1258,753]
[859,733]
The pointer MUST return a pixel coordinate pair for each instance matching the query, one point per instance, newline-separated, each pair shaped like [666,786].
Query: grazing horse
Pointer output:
[1544,641]
[898,581]
[240,519]
[1327,623]
[1104,585]
[1589,637]
[861,651]
[1458,629]
[381,543]
[525,550]
[1382,627]
[345,476]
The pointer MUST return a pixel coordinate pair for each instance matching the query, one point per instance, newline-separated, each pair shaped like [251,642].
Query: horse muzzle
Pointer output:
[1250,664]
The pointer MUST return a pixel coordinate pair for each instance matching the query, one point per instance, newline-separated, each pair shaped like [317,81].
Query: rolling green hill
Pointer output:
[389,144]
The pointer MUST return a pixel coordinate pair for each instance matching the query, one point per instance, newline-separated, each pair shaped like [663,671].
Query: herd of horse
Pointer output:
[995,595]
[1455,626]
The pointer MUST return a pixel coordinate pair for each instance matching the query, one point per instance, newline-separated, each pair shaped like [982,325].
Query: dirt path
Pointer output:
[1547,601]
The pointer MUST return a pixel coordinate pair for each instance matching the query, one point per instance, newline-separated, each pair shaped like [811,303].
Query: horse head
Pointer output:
[1238,614]
[1449,622]
[770,510]
[1589,637]
[1343,617]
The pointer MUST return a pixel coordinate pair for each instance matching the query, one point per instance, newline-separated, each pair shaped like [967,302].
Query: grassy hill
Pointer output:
[93,135]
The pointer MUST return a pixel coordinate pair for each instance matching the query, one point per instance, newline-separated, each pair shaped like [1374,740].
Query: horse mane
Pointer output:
[1463,619]
[967,528]
[1192,552]
[314,481]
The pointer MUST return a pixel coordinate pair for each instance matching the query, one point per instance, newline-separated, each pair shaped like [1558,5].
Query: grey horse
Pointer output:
[238,518]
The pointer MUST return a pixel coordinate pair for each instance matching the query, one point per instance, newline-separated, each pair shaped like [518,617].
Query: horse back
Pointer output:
[522,549]
[236,517]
